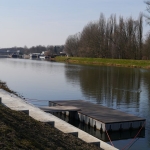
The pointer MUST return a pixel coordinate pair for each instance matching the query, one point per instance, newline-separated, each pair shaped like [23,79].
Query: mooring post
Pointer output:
[0,100]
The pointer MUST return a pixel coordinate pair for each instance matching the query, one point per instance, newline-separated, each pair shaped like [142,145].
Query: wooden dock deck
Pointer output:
[101,116]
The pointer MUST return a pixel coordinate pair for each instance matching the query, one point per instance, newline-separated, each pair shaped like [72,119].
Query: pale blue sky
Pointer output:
[50,22]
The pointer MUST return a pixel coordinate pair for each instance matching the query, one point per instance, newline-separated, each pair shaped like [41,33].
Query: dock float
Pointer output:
[100,117]
[60,108]
[15,103]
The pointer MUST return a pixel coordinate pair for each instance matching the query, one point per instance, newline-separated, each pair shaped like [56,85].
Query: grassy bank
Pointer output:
[107,62]
[4,86]
[21,132]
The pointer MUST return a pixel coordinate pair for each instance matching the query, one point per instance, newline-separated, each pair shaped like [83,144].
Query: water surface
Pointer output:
[125,89]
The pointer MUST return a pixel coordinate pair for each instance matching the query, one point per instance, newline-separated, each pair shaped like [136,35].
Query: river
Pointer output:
[125,89]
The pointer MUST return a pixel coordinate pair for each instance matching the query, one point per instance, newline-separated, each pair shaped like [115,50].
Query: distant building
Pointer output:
[63,54]
[9,52]
[35,55]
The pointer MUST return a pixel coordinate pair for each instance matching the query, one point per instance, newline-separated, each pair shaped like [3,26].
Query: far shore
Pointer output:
[106,62]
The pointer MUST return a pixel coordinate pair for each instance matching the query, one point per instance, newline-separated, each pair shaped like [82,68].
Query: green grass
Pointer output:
[108,62]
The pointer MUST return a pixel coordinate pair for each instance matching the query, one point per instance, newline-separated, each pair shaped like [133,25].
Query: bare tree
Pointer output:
[147,16]
[108,39]
[72,45]
[88,41]
[146,48]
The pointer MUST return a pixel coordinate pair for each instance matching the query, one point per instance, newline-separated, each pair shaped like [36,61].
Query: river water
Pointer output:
[125,89]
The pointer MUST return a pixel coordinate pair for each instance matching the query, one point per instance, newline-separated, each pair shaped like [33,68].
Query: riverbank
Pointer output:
[19,131]
[4,86]
[107,62]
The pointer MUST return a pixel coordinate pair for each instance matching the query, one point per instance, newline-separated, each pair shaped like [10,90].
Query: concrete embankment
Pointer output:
[18,104]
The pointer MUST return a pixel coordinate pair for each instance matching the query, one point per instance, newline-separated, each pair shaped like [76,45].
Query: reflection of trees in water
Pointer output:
[111,84]
[146,100]
[72,73]
[126,85]
[107,84]
[146,83]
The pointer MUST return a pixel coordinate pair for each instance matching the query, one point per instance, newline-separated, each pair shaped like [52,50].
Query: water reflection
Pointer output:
[118,135]
[126,89]
[109,84]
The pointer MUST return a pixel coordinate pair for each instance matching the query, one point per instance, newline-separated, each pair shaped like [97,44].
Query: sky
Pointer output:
[49,22]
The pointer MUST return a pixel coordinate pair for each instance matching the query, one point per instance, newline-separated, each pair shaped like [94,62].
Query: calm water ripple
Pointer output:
[125,89]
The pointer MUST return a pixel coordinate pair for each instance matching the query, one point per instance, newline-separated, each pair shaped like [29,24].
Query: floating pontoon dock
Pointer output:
[97,116]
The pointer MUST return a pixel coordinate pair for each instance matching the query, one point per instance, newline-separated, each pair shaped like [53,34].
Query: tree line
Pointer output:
[109,38]
[116,38]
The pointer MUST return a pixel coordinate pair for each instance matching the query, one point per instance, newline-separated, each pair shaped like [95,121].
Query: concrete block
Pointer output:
[74,134]
[52,123]
[67,113]
[25,111]
[98,125]
[96,143]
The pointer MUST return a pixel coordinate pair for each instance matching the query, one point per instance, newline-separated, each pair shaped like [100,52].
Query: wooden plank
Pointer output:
[60,108]
[98,112]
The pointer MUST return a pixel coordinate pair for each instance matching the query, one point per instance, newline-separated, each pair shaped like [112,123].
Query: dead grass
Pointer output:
[20,132]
